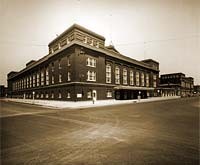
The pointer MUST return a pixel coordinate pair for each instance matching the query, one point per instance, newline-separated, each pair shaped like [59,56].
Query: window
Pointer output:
[68,95]
[46,95]
[42,96]
[154,81]
[59,64]
[52,95]
[147,80]
[60,78]
[91,76]
[30,79]
[109,93]
[24,83]
[108,73]
[34,80]
[124,76]
[59,95]
[52,67]
[137,79]
[52,79]
[27,82]
[38,79]
[47,76]
[91,62]
[37,95]
[142,79]
[131,78]
[42,77]
[89,94]
[117,75]
[68,76]
[68,62]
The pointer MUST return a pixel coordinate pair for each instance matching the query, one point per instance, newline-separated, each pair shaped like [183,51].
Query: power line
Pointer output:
[21,43]
[161,40]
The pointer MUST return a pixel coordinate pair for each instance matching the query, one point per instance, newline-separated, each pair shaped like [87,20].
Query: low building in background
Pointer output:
[3,91]
[80,67]
[176,84]
[197,90]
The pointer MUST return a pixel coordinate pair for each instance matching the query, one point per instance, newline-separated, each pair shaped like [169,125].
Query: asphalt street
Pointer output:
[155,133]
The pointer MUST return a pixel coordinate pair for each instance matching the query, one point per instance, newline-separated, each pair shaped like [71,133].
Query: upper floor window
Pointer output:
[91,76]
[68,62]
[142,79]
[154,81]
[33,80]
[124,76]
[30,79]
[91,62]
[60,78]
[137,75]
[38,79]
[147,80]
[52,79]
[131,78]
[108,73]
[27,82]
[68,76]
[59,64]
[42,77]
[47,76]
[117,75]
[52,67]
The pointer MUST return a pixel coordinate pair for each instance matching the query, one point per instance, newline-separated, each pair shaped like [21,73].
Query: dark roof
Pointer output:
[104,51]
[76,26]
[179,73]
[112,48]
[150,60]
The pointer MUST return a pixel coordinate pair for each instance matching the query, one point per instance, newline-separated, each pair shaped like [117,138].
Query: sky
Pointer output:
[167,31]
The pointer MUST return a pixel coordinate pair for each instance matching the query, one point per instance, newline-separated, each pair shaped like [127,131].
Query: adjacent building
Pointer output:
[197,89]
[176,84]
[80,67]
[3,91]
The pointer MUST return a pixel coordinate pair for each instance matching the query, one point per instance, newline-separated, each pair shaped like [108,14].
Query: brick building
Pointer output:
[79,67]
[176,84]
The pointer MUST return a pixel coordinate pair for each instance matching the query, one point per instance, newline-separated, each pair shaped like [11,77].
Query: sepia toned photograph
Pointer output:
[102,82]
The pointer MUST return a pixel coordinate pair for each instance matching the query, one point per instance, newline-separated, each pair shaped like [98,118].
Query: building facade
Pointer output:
[80,67]
[176,84]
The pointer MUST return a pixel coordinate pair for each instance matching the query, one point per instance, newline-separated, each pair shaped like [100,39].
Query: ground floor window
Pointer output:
[68,95]
[47,95]
[89,94]
[52,95]
[42,96]
[59,95]
[108,93]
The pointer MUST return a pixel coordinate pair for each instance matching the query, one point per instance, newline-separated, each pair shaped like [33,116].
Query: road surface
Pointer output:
[160,133]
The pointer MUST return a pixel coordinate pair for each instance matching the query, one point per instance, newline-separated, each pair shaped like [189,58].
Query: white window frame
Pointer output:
[91,62]
[142,79]
[125,72]
[137,77]
[108,73]
[91,75]
[131,77]
[117,75]
[108,93]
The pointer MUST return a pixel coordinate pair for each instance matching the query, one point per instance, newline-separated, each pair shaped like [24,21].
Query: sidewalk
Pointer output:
[85,104]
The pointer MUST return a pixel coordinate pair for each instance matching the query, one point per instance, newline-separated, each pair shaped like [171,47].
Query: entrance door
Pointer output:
[94,94]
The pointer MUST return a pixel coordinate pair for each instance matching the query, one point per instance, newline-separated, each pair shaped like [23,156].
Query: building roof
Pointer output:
[76,26]
[104,51]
